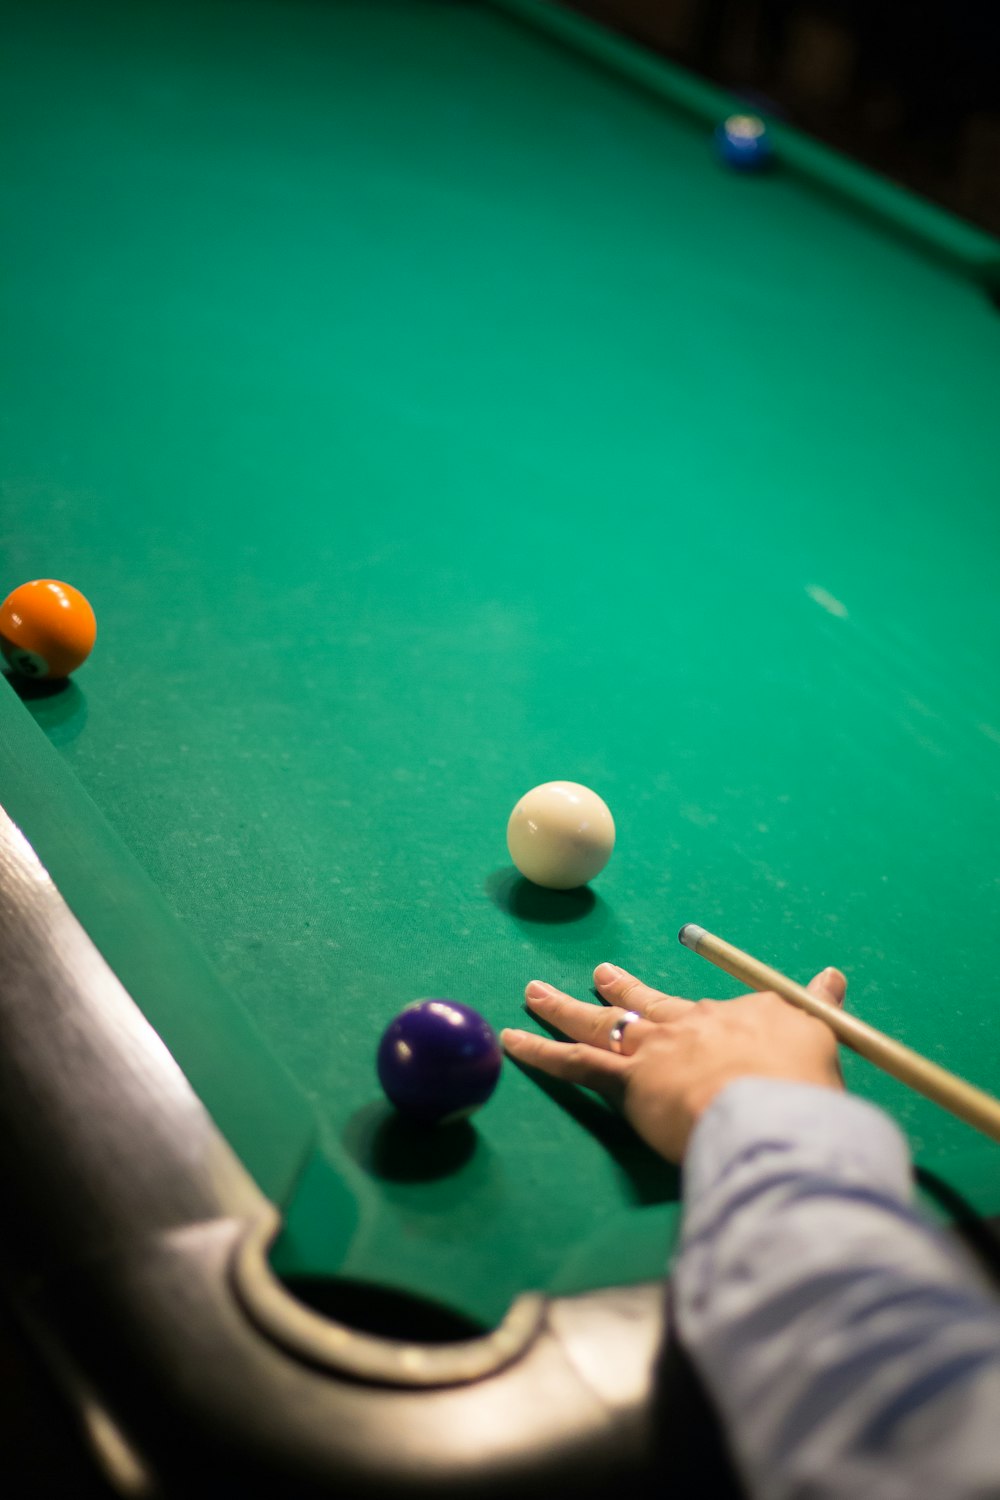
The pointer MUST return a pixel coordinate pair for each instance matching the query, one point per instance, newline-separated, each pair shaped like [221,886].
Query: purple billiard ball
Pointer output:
[439,1061]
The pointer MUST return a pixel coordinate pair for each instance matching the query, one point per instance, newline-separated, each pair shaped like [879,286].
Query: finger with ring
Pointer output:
[618,1030]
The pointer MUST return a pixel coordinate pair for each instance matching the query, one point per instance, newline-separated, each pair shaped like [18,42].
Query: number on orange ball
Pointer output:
[47,629]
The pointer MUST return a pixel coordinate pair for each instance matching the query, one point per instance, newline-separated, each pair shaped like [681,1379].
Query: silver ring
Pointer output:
[619,1029]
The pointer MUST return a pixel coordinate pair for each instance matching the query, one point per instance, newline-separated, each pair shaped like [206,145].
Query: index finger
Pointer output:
[580,1019]
[618,987]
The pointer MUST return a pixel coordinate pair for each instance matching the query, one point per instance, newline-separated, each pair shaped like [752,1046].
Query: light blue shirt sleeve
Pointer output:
[850,1351]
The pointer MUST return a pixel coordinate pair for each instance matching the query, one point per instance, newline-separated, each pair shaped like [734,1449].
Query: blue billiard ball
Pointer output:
[439,1061]
[744,143]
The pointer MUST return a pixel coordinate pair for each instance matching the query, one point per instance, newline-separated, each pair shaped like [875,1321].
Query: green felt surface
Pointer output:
[428,415]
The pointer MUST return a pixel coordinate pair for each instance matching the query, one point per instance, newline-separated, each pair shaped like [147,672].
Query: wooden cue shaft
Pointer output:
[969,1103]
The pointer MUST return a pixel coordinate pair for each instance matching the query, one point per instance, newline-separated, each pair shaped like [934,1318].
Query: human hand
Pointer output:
[680,1053]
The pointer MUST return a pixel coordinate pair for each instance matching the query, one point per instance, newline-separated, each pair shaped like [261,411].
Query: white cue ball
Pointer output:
[560,835]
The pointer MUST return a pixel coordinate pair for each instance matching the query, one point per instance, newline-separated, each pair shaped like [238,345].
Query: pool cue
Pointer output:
[975,1106]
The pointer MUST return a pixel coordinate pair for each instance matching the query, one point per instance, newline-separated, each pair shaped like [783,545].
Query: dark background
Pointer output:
[911,89]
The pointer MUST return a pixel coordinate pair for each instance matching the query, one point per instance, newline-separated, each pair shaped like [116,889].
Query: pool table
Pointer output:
[428,413]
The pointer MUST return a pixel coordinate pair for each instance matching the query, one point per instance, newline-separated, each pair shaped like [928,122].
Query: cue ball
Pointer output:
[47,629]
[439,1061]
[560,835]
[743,143]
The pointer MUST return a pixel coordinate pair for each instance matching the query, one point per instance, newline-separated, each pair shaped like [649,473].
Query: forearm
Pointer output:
[848,1352]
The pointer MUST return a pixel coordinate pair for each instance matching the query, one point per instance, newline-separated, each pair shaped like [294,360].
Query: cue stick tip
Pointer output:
[691,935]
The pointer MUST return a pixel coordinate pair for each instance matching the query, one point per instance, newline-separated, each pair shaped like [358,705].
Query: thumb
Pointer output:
[830,985]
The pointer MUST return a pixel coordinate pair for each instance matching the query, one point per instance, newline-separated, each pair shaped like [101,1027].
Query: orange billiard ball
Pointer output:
[47,629]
